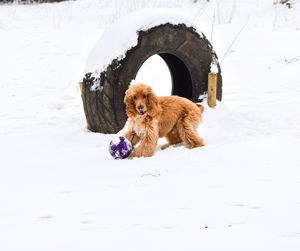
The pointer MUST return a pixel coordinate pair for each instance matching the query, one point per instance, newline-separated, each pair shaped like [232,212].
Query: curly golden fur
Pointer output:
[151,117]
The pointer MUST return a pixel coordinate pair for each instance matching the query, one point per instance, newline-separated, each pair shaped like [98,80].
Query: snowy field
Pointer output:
[61,190]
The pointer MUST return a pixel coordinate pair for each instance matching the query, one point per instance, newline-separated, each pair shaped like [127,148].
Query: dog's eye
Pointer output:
[144,96]
[134,97]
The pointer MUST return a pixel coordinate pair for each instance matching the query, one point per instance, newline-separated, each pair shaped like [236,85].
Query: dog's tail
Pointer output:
[201,108]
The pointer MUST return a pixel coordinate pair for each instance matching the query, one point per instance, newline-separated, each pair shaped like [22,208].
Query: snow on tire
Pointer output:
[186,51]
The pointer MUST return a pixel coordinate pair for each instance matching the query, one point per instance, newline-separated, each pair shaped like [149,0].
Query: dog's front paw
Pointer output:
[138,154]
[163,147]
[131,156]
[135,154]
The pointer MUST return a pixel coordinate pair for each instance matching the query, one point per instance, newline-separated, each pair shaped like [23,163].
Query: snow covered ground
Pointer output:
[61,190]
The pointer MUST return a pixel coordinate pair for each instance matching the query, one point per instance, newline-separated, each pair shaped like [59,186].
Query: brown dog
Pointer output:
[151,117]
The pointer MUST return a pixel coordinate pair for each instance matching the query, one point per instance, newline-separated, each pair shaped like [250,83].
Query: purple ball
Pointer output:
[120,148]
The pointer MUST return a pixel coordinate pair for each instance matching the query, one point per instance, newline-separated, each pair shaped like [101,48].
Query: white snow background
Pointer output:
[61,190]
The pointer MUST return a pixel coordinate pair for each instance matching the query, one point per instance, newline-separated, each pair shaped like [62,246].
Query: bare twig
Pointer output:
[235,38]
[198,14]
[232,11]
[213,26]
[275,18]
[218,12]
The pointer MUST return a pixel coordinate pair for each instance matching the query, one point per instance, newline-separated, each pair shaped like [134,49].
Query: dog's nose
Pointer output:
[141,107]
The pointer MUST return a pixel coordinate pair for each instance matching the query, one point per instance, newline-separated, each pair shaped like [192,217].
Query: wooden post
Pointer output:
[80,85]
[212,89]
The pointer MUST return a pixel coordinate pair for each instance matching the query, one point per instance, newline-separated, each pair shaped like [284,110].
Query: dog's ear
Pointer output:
[130,107]
[152,104]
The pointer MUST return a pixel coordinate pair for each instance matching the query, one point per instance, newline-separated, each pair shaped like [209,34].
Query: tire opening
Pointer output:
[155,72]
[167,75]
[181,77]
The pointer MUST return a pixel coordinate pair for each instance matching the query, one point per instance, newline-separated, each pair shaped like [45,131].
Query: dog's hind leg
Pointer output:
[187,127]
[172,137]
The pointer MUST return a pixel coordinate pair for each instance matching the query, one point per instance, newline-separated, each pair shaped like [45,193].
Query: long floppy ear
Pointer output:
[130,108]
[152,104]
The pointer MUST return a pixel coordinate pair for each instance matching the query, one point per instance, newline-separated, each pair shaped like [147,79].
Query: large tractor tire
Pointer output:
[188,55]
